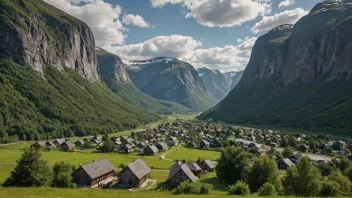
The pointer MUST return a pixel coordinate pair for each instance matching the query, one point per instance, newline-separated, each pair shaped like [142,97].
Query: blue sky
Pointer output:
[217,34]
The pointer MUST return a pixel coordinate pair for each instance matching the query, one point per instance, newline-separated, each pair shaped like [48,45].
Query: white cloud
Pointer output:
[286,3]
[101,17]
[221,13]
[285,17]
[174,46]
[136,20]
[188,49]
[239,40]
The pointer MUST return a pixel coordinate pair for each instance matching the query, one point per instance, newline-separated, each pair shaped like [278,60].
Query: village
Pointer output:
[285,149]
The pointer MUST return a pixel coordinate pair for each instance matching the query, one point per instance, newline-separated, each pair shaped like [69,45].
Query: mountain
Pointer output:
[298,75]
[49,81]
[116,77]
[216,82]
[171,80]
[236,79]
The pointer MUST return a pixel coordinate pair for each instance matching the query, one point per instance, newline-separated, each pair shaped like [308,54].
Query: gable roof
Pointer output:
[41,144]
[209,163]
[139,168]
[99,168]
[60,141]
[153,148]
[288,162]
[179,166]
[193,167]
[162,144]
[69,144]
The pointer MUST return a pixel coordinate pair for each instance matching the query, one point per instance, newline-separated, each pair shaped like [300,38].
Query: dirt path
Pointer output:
[170,151]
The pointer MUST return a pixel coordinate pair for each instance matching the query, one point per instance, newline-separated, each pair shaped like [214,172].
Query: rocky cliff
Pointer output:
[116,77]
[216,82]
[298,75]
[35,34]
[172,80]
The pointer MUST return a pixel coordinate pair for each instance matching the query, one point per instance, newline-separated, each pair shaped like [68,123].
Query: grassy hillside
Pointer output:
[290,105]
[60,103]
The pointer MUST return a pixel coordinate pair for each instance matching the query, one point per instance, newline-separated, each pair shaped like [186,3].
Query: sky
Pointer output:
[218,34]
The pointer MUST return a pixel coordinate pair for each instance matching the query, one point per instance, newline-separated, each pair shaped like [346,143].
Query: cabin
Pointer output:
[303,148]
[172,141]
[50,145]
[162,146]
[39,145]
[196,170]
[339,145]
[94,174]
[204,144]
[79,144]
[68,146]
[294,159]
[127,148]
[58,143]
[134,175]
[150,150]
[284,163]
[207,165]
[141,145]
[179,173]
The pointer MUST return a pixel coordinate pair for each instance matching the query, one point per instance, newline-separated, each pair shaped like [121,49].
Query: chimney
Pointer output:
[183,161]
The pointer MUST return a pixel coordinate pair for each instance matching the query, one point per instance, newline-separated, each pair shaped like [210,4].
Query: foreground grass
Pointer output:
[97,193]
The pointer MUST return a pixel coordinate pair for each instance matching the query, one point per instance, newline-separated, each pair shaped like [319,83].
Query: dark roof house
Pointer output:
[207,165]
[180,172]
[150,150]
[134,174]
[94,174]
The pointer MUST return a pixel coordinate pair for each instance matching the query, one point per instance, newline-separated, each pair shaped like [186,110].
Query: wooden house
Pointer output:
[50,145]
[58,143]
[39,145]
[134,175]
[284,163]
[195,168]
[68,146]
[79,144]
[94,174]
[150,150]
[303,148]
[180,172]
[172,141]
[162,146]
[204,144]
[207,165]
[127,148]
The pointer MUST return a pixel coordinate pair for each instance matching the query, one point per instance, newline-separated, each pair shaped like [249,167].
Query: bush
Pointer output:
[187,187]
[240,188]
[268,189]
[122,165]
[329,189]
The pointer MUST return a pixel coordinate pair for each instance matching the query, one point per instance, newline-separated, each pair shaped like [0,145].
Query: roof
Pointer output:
[80,142]
[153,148]
[162,144]
[99,168]
[209,163]
[193,167]
[69,144]
[60,141]
[288,162]
[179,166]
[139,168]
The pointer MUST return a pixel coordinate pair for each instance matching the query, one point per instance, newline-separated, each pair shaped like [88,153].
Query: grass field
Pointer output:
[190,154]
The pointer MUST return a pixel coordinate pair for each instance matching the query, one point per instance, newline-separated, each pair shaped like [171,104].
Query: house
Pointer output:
[162,146]
[68,146]
[150,150]
[141,145]
[39,145]
[58,143]
[172,141]
[134,175]
[127,148]
[207,165]
[339,145]
[50,145]
[79,144]
[195,168]
[284,163]
[303,148]
[204,144]
[94,174]
[96,142]
[294,159]
[180,172]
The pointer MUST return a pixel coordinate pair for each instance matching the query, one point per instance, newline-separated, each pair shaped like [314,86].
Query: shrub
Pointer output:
[240,188]
[187,187]
[329,189]
[268,189]
[122,165]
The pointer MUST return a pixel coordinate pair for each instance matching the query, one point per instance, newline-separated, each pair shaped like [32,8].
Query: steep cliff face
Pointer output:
[172,80]
[116,77]
[65,98]
[216,82]
[236,79]
[35,34]
[298,75]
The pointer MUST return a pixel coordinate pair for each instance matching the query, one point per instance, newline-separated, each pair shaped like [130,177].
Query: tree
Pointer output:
[342,163]
[267,189]
[302,180]
[133,134]
[329,189]
[344,182]
[348,172]
[287,152]
[292,141]
[62,175]
[87,144]
[325,169]
[233,164]
[107,147]
[263,170]
[105,137]
[240,188]
[31,171]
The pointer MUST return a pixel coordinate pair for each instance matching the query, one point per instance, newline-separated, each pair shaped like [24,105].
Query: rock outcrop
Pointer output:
[35,34]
